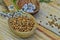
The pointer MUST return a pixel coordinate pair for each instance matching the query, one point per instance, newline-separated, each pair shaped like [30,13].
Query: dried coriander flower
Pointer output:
[29,7]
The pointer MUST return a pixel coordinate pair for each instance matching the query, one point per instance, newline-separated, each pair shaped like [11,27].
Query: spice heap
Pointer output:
[22,24]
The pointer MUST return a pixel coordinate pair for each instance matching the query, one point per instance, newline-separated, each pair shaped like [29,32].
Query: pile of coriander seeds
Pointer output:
[22,23]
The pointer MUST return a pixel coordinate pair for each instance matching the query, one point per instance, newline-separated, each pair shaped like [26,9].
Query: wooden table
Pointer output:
[41,33]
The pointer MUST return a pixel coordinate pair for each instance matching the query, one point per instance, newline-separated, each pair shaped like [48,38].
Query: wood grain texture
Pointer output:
[5,31]
[48,33]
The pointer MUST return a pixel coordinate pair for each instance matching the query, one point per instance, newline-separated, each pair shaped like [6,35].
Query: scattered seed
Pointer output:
[46,23]
[40,21]
[54,15]
[56,24]
[46,16]
[59,32]
[50,14]
[52,22]
[39,24]
[55,19]
[52,26]
[59,18]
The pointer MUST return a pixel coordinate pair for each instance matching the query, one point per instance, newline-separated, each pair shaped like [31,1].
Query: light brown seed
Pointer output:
[22,24]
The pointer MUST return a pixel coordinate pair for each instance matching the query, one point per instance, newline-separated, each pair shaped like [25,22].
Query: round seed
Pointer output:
[46,16]
[50,14]
[22,24]
[46,23]
[59,18]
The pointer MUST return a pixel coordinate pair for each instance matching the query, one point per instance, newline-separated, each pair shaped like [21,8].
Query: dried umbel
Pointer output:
[29,7]
[29,4]
[22,24]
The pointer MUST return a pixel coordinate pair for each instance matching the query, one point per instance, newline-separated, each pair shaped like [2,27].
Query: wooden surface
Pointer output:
[41,33]
[48,33]
[6,34]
